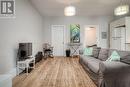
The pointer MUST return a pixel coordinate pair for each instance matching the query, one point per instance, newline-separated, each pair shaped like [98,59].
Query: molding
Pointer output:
[12,72]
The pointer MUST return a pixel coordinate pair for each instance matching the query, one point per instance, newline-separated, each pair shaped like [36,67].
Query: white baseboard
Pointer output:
[12,72]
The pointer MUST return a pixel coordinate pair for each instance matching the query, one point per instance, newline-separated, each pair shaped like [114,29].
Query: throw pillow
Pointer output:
[88,51]
[126,59]
[114,57]
[103,55]
[96,51]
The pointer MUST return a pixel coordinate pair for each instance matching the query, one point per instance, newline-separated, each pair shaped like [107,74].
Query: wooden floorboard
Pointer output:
[55,72]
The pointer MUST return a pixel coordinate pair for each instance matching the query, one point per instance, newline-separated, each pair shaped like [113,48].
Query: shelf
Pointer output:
[116,37]
[127,43]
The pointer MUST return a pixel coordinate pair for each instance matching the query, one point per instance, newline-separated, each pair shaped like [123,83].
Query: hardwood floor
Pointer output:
[55,72]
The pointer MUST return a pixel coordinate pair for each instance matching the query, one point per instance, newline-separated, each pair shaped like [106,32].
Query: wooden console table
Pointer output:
[25,64]
[74,47]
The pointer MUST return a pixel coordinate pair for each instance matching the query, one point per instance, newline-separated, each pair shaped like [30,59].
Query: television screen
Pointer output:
[25,50]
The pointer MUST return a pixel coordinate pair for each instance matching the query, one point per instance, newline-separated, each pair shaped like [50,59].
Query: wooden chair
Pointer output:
[48,50]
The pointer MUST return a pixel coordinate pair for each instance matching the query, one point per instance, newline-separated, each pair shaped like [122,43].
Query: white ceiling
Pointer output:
[83,7]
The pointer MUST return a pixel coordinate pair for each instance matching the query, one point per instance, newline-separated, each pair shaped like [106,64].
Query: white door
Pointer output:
[123,38]
[116,43]
[118,39]
[58,40]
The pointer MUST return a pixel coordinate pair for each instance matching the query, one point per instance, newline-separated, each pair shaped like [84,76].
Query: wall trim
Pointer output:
[12,72]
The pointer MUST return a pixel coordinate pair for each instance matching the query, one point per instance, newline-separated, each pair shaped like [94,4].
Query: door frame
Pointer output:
[64,33]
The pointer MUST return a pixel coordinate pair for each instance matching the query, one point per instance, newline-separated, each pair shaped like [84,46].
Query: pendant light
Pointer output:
[121,9]
[69,11]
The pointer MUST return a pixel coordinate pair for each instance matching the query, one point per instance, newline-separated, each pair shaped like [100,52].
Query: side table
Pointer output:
[25,64]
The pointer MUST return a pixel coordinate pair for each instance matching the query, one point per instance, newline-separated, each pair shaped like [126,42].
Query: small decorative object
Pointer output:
[104,35]
[67,52]
[75,33]
[88,51]
[114,56]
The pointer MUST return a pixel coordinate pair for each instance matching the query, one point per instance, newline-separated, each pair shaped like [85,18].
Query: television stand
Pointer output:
[24,64]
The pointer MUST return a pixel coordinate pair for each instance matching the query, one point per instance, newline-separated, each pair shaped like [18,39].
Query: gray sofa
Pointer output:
[107,74]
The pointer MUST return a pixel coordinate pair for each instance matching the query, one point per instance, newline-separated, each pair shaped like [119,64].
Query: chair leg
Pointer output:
[45,55]
[51,55]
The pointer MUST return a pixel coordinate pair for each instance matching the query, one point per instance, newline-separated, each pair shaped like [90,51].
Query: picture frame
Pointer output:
[74,33]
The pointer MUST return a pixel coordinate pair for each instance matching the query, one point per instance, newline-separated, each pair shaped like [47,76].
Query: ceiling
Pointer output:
[83,7]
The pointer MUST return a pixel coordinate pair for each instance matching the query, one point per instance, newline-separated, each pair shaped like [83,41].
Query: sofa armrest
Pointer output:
[108,68]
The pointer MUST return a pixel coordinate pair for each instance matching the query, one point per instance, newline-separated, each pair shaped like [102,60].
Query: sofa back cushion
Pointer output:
[103,54]
[121,53]
[96,51]
[125,59]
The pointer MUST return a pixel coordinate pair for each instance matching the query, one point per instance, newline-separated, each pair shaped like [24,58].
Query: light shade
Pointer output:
[69,11]
[68,1]
[122,10]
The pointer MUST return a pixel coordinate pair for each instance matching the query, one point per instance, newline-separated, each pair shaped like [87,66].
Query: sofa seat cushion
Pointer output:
[85,59]
[92,63]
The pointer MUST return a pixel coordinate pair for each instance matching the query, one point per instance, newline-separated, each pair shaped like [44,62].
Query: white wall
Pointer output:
[102,22]
[26,27]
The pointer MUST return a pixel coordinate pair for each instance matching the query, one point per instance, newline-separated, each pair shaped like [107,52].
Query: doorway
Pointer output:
[91,35]
[58,39]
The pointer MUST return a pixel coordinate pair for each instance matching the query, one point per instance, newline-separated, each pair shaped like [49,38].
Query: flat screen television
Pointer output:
[25,50]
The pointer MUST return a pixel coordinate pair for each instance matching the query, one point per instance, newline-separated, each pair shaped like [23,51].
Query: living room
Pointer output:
[36,21]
